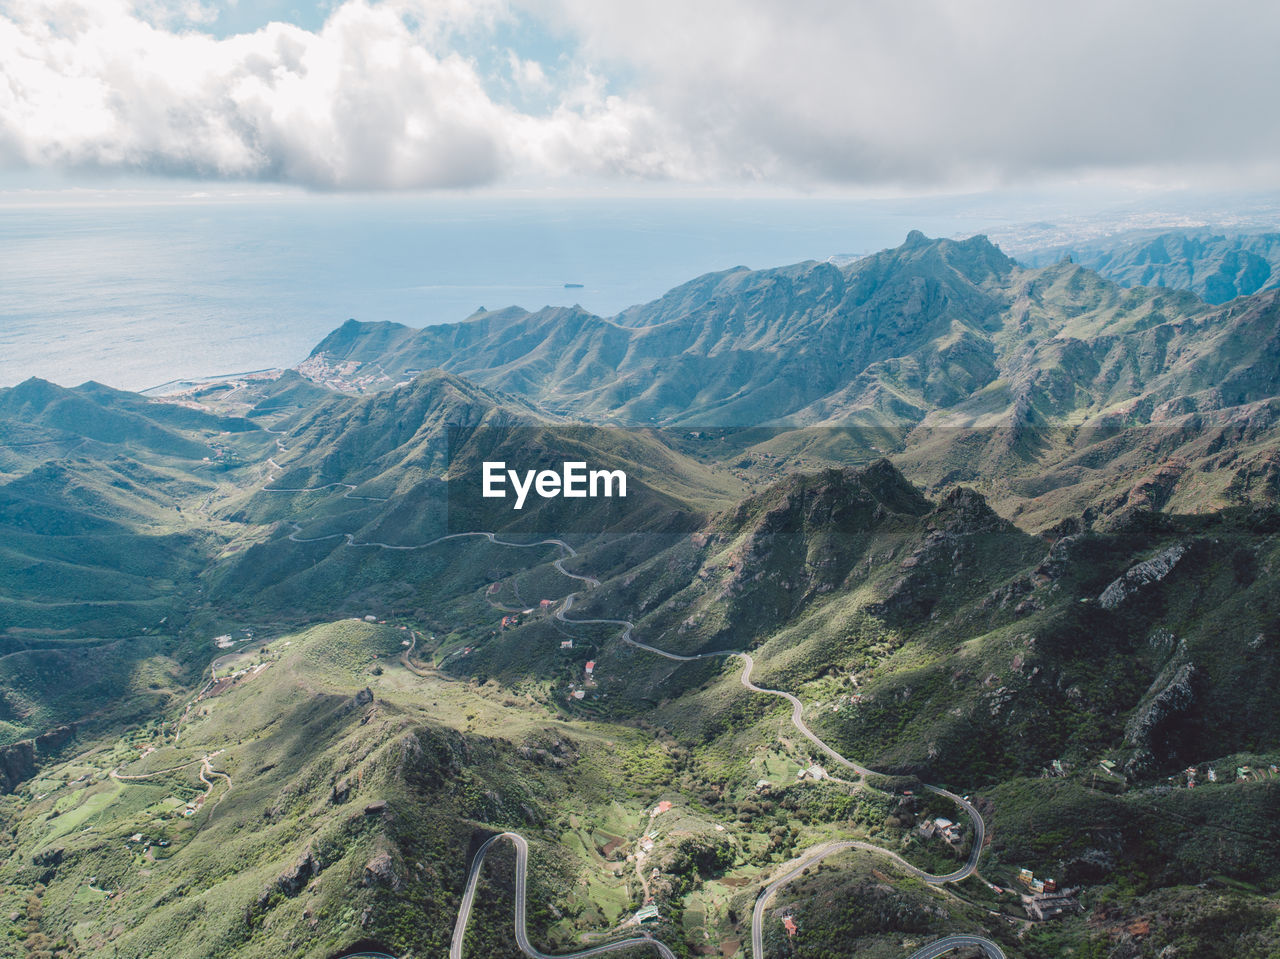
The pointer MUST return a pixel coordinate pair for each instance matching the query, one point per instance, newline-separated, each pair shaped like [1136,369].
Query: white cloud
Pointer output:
[176,13]
[528,74]
[368,101]
[937,92]
[918,92]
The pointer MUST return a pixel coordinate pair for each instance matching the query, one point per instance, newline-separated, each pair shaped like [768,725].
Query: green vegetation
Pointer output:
[296,718]
[1217,268]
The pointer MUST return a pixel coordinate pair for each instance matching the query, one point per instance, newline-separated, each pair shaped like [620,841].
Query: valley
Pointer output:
[1003,543]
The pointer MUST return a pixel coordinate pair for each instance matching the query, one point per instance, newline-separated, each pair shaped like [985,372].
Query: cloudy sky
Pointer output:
[908,96]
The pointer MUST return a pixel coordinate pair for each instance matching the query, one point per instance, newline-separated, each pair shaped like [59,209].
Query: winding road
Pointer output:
[349,494]
[522,932]
[793,869]
[819,853]
[206,770]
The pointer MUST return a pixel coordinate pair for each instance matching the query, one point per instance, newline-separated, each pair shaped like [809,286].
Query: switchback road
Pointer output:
[820,852]
[522,933]
[817,854]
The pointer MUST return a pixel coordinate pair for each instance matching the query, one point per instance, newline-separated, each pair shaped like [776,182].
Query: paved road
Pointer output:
[797,720]
[349,494]
[522,933]
[943,946]
[206,770]
[817,854]
[568,550]
[350,490]
[116,774]
[821,852]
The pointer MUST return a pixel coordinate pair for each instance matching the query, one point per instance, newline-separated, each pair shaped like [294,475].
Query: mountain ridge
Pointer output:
[1218,266]
[678,358]
[926,343]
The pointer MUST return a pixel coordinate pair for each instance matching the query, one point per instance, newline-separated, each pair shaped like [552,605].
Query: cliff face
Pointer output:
[19,762]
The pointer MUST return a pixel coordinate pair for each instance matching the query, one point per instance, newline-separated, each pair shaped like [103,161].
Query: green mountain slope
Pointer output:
[1216,267]
[39,410]
[296,813]
[933,331]
[948,355]
[103,535]
[748,348]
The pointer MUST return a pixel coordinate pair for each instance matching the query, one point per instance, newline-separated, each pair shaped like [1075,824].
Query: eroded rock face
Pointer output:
[1059,557]
[341,791]
[291,881]
[18,761]
[380,871]
[54,739]
[17,764]
[558,753]
[49,857]
[963,510]
[947,556]
[1092,865]
[1149,729]
[1143,574]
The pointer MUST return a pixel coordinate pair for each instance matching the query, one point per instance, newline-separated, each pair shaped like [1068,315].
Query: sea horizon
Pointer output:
[134,295]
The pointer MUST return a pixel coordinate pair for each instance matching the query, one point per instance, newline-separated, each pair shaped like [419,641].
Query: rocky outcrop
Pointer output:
[341,791]
[1143,574]
[49,743]
[432,758]
[380,871]
[559,753]
[1060,556]
[1091,865]
[1150,730]
[964,510]
[292,880]
[19,761]
[804,535]
[49,857]
[17,764]
[955,552]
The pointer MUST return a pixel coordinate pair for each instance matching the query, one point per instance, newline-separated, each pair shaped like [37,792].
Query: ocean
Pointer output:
[135,294]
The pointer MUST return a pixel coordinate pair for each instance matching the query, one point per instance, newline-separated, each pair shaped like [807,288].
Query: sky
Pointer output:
[863,98]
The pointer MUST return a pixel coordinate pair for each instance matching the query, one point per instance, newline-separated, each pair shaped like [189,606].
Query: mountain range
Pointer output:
[1217,267]
[267,682]
[946,352]
[933,331]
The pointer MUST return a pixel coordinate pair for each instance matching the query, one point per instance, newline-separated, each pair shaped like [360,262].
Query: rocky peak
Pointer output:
[964,510]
